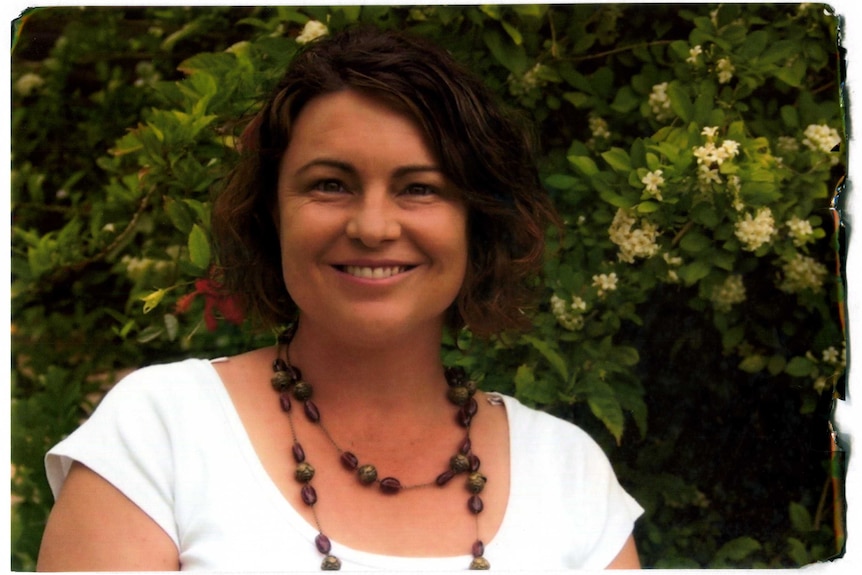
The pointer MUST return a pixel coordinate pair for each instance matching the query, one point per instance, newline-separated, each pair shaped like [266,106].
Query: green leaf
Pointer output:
[199,247]
[695,242]
[550,354]
[561,181]
[605,406]
[618,159]
[680,102]
[800,518]
[800,367]
[753,364]
[738,549]
[584,165]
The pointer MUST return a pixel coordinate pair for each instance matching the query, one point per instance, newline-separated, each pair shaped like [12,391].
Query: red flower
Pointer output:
[214,300]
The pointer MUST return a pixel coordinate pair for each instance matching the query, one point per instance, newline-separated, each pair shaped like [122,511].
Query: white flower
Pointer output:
[729,293]
[803,273]
[787,144]
[311,31]
[730,148]
[605,282]
[652,182]
[830,355]
[599,128]
[659,102]
[569,316]
[693,54]
[28,83]
[710,132]
[800,230]
[756,231]
[725,70]
[821,138]
[633,242]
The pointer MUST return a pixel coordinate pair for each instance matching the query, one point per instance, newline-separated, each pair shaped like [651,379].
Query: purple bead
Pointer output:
[349,461]
[390,485]
[455,375]
[466,446]
[475,504]
[298,453]
[445,477]
[294,372]
[323,544]
[471,407]
[311,411]
[464,419]
[309,495]
[284,398]
[474,463]
[478,548]
[279,365]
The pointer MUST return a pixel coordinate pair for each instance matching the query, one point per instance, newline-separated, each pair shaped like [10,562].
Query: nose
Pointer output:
[374,220]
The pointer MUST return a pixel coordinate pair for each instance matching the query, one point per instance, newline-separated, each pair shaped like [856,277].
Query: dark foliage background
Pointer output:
[705,363]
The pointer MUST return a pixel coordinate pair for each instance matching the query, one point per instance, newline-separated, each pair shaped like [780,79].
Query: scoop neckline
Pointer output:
[344,552]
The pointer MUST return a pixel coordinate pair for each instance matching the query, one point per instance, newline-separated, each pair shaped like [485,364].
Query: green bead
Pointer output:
[304,472]
[476,482]
[302,391]
[280,380]
[479,564]
[367,474]
[459,463]
[330,563]
[458,395]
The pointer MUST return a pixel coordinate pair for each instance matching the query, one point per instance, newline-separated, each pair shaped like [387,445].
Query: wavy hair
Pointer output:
[488,154]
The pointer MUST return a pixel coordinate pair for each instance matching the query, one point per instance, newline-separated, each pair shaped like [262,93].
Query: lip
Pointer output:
[374,271]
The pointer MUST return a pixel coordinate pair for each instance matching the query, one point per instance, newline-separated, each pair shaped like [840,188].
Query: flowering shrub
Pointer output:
[690,317]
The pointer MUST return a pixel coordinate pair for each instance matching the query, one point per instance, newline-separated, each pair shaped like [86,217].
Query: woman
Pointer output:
[382,198]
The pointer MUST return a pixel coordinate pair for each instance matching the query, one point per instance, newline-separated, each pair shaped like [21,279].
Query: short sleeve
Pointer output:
[127,441]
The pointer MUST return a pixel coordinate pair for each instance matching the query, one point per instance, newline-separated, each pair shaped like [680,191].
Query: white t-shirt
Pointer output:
[170,439]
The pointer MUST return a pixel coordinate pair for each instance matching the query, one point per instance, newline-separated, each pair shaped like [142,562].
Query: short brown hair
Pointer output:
[486,153]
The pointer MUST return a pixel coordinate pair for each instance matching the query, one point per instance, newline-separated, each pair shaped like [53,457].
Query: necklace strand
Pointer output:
[287,380]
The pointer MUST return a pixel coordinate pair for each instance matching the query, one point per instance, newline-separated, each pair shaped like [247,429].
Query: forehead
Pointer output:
[360,124]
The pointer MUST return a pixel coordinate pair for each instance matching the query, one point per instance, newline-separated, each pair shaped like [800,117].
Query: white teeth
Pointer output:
[373,273]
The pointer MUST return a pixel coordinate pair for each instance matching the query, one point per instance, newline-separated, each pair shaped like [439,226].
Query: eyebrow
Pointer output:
[349,168]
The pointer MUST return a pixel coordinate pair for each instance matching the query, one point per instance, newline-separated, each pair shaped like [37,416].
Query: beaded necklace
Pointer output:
[288,382]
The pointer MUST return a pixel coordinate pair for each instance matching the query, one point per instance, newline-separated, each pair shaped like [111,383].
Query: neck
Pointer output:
[393,374]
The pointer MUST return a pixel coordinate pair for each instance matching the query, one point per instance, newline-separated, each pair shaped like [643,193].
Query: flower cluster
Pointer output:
[28,84]
[652,182]
[569,315]
[659,102]
[725,70]
[137,268]
[822,138]
[312,31]
[529,81]
[802,273]
[605,282]
[755,231]
[710,157]
[599,128]
[633,242]
[728,294]
[800,231]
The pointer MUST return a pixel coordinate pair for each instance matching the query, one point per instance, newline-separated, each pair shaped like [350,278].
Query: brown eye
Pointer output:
[420,190]
[329,186]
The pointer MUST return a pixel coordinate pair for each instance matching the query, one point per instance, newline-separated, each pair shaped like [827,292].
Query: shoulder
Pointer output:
[157,381]
[537,424]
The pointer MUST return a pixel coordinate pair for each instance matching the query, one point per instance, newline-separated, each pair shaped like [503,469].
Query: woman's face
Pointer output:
[373,234]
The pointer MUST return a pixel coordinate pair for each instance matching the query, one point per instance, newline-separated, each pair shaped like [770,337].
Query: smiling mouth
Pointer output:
[367,272]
